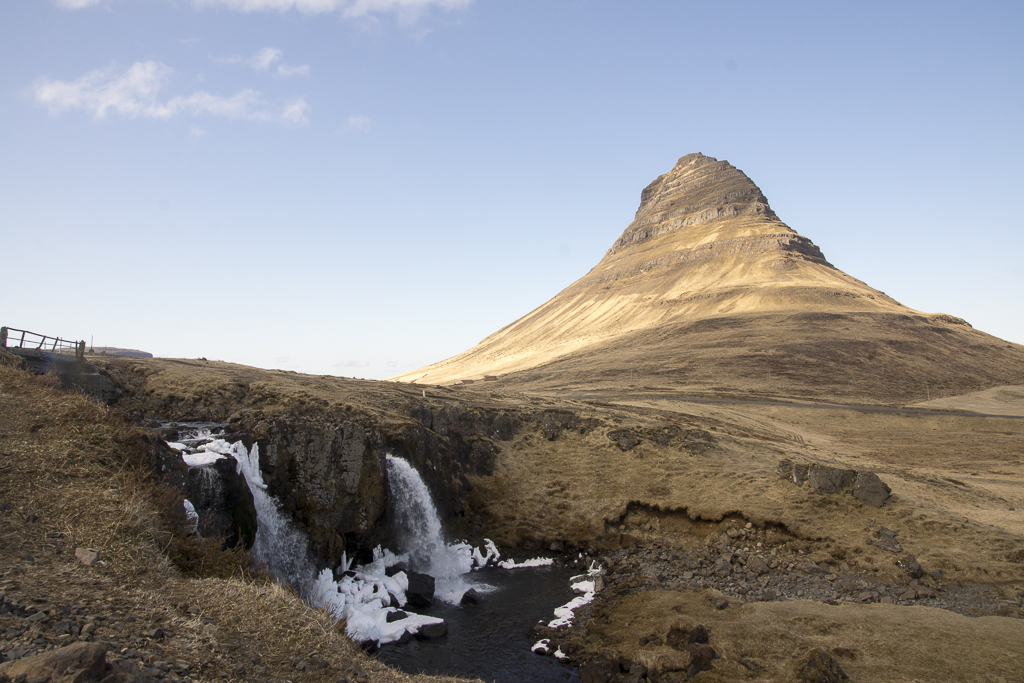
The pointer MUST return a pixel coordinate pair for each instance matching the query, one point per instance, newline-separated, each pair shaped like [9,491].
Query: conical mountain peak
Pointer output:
[708,286]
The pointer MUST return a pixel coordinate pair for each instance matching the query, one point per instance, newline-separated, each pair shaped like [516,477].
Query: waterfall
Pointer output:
[367,595]
[280,545]
[417,531]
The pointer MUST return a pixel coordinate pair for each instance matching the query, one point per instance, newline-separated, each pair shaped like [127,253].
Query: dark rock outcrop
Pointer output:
[420,592]
[223,501]
[863,485]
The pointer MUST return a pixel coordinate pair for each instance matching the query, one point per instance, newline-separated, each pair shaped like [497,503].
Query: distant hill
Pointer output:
[708,290]
[114,351]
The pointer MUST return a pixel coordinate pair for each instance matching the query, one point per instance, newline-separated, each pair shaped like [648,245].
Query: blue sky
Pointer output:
[362,187]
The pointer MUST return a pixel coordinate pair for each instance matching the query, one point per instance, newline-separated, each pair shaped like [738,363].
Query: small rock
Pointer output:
[911,566]
[818,666]
[470,598]
[757,565]
[397,615]
[87,556]
[598,670]
[627,541]
[155,633]
[701,656]
[432,631]
[652,639]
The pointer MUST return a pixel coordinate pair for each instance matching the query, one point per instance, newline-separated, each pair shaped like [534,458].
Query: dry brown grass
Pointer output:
[879,643]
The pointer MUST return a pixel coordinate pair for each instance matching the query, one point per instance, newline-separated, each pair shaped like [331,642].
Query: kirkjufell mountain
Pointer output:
[707,289]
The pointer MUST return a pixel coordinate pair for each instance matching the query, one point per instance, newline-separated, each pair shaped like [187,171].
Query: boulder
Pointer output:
[599,670]
[624,440]
[701,656]
[911,566]
[397,615]
[470,598]
[78,662]
[818,666]
[871,490]
[830,479]
[432,631]
[420,593]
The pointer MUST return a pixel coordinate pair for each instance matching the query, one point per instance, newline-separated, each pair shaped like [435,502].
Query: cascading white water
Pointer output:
[366,596]
[280,545]
[417,530]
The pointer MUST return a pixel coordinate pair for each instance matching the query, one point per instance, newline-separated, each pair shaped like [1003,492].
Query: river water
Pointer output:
[491,640]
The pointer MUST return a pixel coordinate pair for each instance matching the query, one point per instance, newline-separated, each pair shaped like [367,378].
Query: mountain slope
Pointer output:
[703,287]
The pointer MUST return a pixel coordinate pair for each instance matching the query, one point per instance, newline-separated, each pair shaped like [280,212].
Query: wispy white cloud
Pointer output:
[195,132]
[295,111]
[286,70]
[267,57]
[262,60]
[353,364]
[348,8]
[135,93]
[358,123]
[76,4]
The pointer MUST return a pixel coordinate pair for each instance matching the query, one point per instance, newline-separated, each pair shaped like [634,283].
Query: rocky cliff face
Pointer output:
[697,190]
[323,458]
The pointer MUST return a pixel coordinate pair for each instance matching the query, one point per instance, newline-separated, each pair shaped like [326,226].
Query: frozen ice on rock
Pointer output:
[200,459]
[535,562]
[565,614]
[192,516]
[541,647]
[481,560]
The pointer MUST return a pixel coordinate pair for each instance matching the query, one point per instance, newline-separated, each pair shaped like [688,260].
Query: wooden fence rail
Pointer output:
[11,338]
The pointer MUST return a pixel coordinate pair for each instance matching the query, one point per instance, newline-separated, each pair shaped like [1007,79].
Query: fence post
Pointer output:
[3,337]
[80,350]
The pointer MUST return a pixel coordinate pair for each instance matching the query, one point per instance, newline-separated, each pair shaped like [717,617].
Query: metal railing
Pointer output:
[11,338]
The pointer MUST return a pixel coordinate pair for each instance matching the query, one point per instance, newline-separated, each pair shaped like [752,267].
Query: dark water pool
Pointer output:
[490,641]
